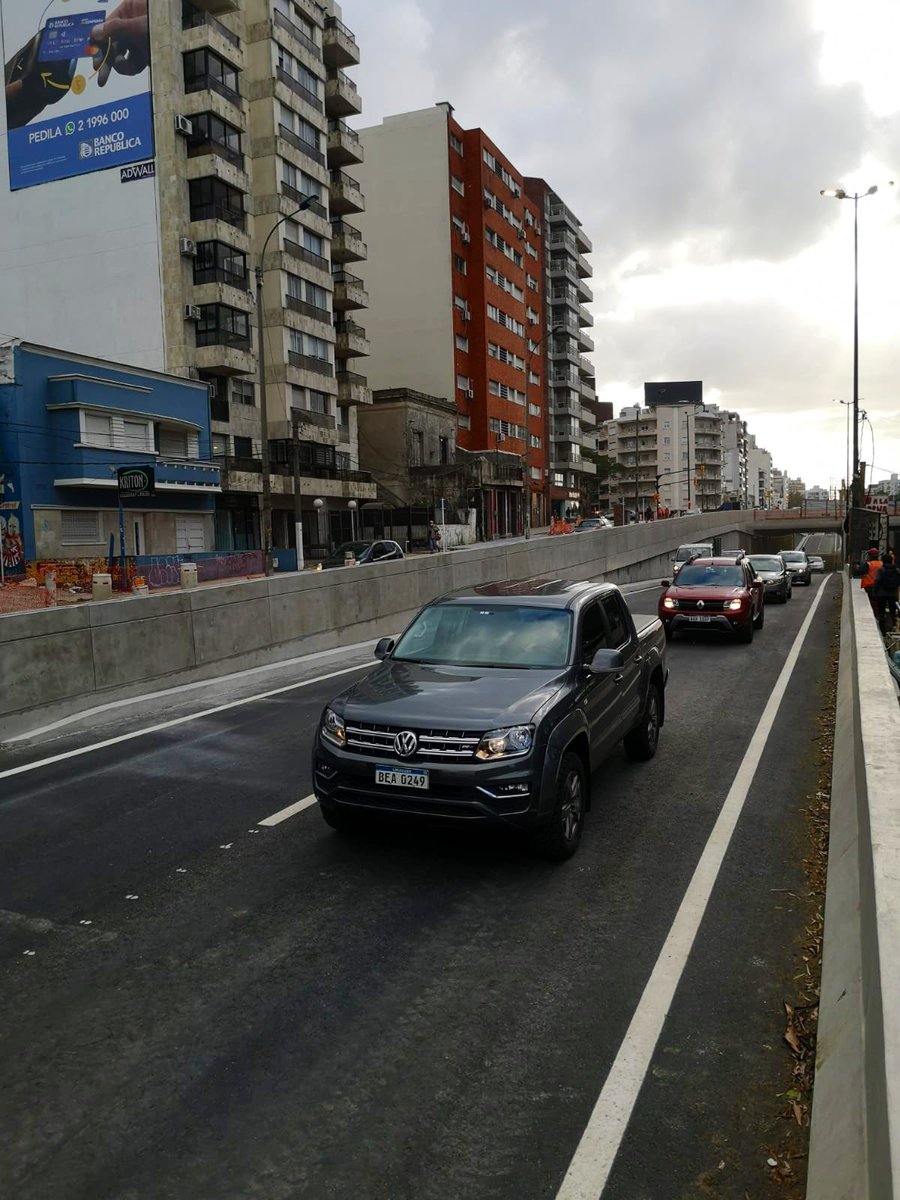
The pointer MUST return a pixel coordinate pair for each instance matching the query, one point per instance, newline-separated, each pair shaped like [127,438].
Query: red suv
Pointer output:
[724,594]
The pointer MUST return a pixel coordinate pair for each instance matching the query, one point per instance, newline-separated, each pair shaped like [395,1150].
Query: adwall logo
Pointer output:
[85,150]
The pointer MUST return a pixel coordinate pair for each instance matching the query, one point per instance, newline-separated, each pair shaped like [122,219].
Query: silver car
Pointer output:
[777,579]
[798,564]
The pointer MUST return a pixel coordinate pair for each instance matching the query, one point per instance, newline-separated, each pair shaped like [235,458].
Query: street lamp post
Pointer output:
[526,460]
[351,504]
[841,194]
[263,413]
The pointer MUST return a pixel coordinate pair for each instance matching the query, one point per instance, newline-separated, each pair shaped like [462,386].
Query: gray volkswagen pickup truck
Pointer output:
[496,704]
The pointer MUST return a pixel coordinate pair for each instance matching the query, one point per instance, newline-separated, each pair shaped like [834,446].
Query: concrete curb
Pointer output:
[854,1151]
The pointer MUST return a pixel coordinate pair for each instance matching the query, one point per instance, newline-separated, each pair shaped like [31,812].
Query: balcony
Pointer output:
[341,95]
[89,466]
[300,145]
[223,360]
[307,256]
[297,197]
[344,145]
[353,389]
[219,210]
[586,368]
[319,420]
[350,340]
[566,408]
[295,304]
[339,48]
[345,194]
[195,17]
[346,243]
[587,391]
[213,136]
[298,89]
[561,268]
[585,341]
[205,81]
[349,292]
[294,31]
[221,8]
[306,362]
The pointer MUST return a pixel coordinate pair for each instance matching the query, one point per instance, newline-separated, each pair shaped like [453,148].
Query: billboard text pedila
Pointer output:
[77,80]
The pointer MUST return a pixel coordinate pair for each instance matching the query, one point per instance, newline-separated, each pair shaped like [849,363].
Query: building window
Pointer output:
[667,441]
[243,447]
[243,391]
[219,443]
[212,135]
[204,70]
[457,185]
[444,447]
[217,262]
[80,527]
[416,448]
[456,144]
[462,343]
[462,383]
[96,430]
[213,199]
[534,410]
[136,435]
[559,479]
[535,442]
[318,401]
[222,325]
[343,416]
[459,264]
[464,421]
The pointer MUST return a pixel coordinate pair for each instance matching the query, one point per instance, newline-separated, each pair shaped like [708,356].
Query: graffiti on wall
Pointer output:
[78,572]
[12,547]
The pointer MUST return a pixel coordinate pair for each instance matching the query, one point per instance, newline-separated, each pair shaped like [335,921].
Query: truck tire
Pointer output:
[758,621]
[640,744]
[339,818]
[559,839]
[745,635]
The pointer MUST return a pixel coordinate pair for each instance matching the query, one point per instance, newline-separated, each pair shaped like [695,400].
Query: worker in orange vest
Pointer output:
[873,566]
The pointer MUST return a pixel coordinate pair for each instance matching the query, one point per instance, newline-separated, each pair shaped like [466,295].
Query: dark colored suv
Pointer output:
[723,594]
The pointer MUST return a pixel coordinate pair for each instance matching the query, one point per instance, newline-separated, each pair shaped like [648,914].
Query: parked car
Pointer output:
[496,705]
[362,554]
[777,579]
[816,562]
[688,551]
[589,524]
[797,562]
[714,594]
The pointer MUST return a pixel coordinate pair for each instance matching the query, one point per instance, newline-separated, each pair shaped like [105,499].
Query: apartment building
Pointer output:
[734,458]
[759,475]
[574,411]
[250,108]
[668,455]
[457,277]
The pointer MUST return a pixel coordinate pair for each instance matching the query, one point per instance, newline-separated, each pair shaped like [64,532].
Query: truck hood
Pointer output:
[425,696]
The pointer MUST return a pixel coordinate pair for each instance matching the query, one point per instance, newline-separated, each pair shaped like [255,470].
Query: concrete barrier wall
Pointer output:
[61,660]
[855,1136]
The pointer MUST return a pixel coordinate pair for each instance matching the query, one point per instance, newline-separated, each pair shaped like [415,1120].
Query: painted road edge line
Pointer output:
[197,716]
[290,811]
[595,1154]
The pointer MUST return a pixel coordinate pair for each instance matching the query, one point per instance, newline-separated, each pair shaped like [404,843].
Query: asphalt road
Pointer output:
[197,1005]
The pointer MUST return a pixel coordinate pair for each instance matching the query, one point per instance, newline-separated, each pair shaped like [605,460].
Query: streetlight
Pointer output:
[351,504]
[263,414]
[841,194]
[847,404]
[526,461]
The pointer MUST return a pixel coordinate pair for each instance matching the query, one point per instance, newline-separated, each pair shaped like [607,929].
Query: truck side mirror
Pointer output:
[605,662]
[383,647]
[664,583]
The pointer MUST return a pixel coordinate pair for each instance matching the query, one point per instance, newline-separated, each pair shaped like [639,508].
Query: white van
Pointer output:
[690,550]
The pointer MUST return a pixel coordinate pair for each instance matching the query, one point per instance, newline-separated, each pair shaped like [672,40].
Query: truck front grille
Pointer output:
[433,744]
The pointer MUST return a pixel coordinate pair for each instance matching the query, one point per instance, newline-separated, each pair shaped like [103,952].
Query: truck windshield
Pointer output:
[683,553]
[485,635]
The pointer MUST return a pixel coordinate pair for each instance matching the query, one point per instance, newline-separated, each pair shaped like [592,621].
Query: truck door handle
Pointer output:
[618,678]
[639,658]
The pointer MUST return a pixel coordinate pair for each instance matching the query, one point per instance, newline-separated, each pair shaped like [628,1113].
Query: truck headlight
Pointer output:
[333,728]
[505,743]
[668,602]
[735,604]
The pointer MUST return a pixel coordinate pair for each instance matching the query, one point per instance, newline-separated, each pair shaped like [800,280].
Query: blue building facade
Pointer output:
[67,424]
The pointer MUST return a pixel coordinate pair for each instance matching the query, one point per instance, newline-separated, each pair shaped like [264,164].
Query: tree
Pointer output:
[608,471]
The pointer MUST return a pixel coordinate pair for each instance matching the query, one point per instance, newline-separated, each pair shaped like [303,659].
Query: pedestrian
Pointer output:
[434,538]
[885,591]
[872,567]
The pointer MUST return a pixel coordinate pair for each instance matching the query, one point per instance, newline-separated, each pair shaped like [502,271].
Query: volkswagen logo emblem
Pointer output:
[406,744]
[700,604]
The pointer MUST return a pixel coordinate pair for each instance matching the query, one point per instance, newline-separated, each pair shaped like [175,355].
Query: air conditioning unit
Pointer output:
[193,373]
[187,247]
[192,312]
[183,125]
[470,392]
[464,232]
[466,313]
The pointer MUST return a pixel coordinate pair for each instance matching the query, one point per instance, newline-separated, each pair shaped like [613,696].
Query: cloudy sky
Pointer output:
[692,137]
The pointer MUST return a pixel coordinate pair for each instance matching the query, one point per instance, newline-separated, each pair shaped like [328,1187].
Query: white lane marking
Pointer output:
[592,1162]
[197,716]
[214,681]
[290,811]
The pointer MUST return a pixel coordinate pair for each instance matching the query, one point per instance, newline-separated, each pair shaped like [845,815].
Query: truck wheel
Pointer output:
[745,635]
[758,621]
[559,839]
[669,631]
[640,744]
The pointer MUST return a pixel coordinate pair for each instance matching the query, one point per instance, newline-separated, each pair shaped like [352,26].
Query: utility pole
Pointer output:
[298,513]
[637,501]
